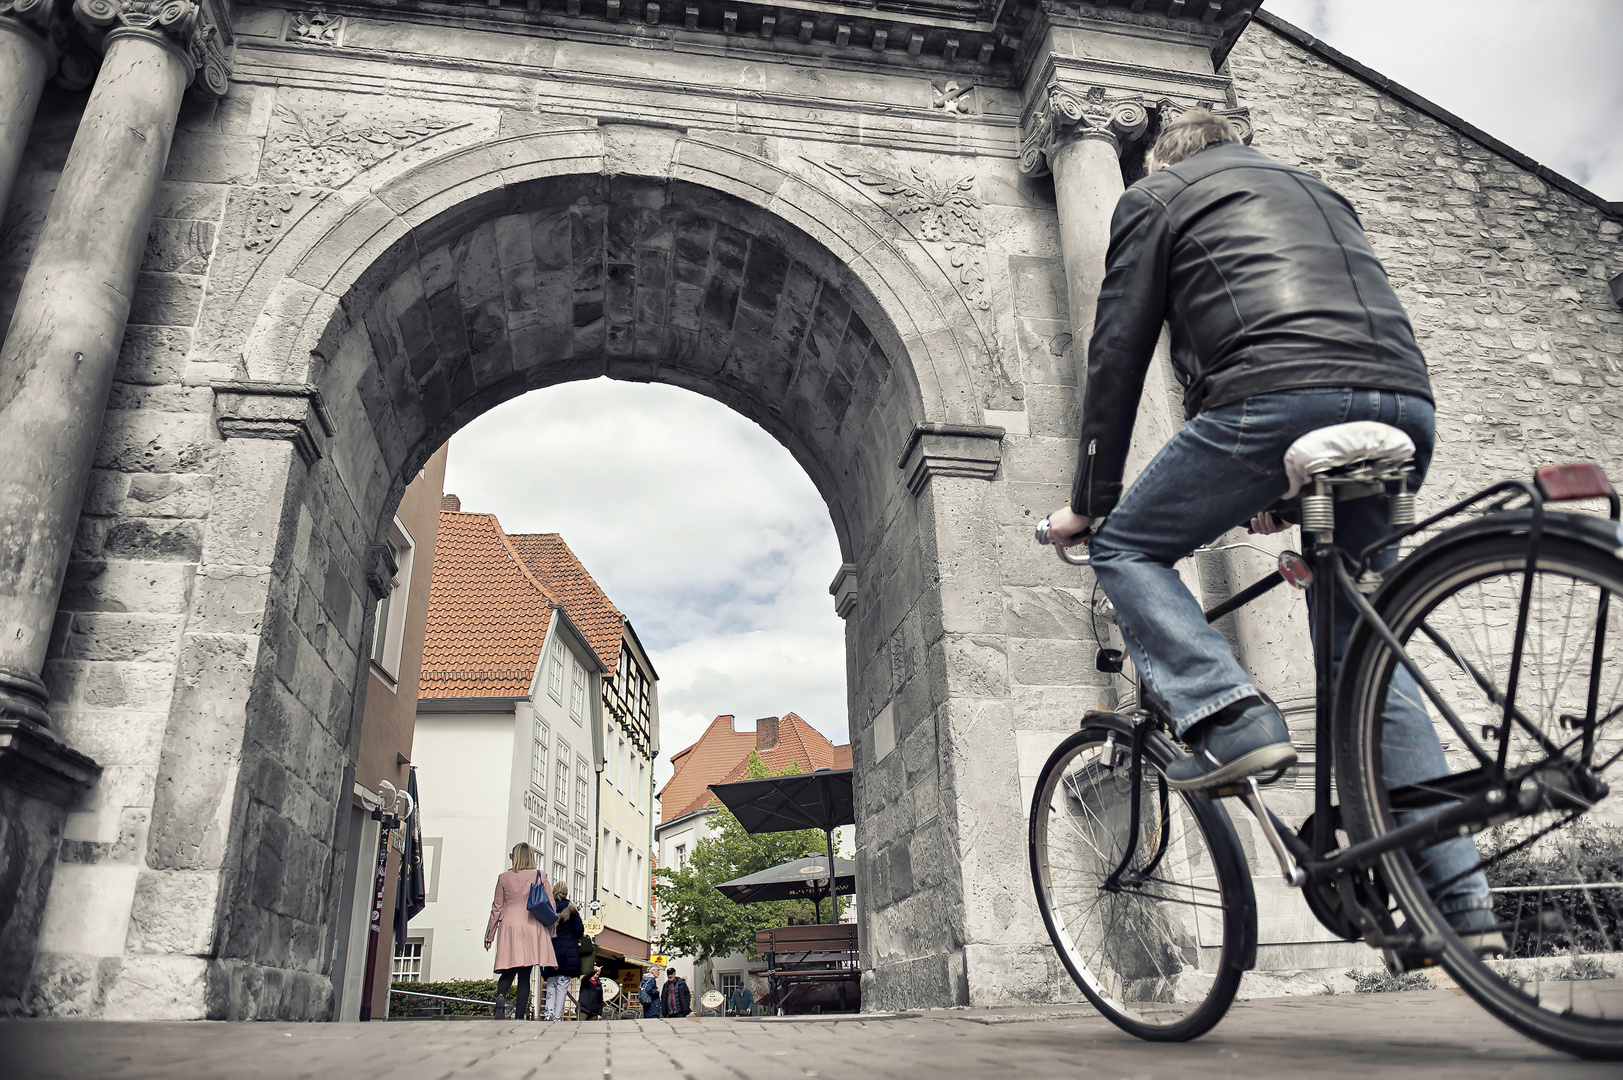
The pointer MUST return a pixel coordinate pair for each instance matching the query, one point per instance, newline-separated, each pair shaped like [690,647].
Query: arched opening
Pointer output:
[410,331]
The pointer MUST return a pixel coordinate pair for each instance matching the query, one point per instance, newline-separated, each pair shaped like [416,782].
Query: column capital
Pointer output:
[1129,123]
[292,412]
[198,30]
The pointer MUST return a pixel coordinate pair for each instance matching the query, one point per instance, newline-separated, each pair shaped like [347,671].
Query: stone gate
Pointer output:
[258,263]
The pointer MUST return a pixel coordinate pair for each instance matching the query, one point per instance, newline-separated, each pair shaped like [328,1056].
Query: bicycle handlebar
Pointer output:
[1064,553]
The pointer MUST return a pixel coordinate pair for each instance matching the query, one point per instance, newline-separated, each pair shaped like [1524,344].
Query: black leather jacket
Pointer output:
[1268,283]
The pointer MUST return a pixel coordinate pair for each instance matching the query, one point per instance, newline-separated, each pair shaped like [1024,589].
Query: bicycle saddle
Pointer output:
[1340,445]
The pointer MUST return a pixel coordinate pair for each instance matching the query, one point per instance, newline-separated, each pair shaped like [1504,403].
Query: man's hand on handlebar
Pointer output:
[1266,524]
[1067,528]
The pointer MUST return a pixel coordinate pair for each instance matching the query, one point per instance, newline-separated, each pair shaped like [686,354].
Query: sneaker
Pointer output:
[1487,944]
[1244,739]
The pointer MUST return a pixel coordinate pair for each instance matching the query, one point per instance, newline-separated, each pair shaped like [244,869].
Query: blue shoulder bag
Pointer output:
[540,904]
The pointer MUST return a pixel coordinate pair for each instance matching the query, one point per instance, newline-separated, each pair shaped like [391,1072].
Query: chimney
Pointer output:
[766,733]
[451,503]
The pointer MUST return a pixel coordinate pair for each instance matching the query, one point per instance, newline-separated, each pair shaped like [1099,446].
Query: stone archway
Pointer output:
[388,321]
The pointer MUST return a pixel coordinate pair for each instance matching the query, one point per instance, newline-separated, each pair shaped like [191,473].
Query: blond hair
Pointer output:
[1192,132]
[561,888]
[523,857]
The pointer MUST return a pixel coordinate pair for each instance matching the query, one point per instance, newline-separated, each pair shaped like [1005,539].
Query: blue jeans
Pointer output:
[1220,470]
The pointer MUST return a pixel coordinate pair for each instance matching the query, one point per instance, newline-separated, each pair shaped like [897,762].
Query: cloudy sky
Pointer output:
[705,531]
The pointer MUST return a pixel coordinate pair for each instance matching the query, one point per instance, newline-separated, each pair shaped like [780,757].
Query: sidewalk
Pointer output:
[1423,1034]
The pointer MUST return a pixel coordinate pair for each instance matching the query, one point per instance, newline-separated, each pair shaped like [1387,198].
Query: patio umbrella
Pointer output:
[817,800]
[797,879]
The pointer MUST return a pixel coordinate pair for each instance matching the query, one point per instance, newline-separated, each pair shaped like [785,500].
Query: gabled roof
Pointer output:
[487,614]
[721,756]
[549,559]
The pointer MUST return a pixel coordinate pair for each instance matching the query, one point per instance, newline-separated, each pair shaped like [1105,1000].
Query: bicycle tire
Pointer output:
[1487,564]
[1125,1001]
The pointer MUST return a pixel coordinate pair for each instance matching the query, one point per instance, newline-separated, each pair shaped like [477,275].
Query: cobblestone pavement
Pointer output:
[1422,1034]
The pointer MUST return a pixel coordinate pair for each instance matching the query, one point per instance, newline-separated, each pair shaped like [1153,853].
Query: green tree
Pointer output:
[697,920]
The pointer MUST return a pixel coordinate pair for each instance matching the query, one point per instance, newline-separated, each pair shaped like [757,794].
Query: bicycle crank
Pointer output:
[1251,794]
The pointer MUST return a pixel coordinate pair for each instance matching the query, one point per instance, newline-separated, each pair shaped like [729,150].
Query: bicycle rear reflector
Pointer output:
[1295,570]
[1564,483]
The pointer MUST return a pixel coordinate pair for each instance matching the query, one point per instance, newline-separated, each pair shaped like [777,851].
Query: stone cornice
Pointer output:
[34,761]
[901,35]
[198,30]
[971,450]
[269,410]
[1213,24]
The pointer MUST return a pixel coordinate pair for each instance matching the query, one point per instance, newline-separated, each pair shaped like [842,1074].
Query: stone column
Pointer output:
[27,59]
[56,365]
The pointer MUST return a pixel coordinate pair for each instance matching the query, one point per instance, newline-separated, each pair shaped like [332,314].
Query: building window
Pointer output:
[642,786]
[681,855]
[731,982]
[560,861]
[389,626]
[580,789]
[603,853]
[538,756]
[577,692]
[615,875]
[538,837]
[638,882]
[621,767]
[555,672]
[408,961]
[563,774]
[580,871]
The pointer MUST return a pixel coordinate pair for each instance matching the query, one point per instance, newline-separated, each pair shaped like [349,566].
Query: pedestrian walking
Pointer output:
[674,997]
[523,942]
[741,1002]
[648,994]
[566,947]
[590,1001]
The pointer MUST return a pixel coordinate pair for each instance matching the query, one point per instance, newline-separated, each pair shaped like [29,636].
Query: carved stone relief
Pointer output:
[316,27]
[943,212]
[326,149]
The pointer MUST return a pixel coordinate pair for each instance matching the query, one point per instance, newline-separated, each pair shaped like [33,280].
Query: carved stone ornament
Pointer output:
[315,27]
[936,211]
[1069,113]
[193,28]
[290,412]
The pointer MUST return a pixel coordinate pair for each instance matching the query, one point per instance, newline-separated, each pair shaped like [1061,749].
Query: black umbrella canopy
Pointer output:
[817,800]
[797,879]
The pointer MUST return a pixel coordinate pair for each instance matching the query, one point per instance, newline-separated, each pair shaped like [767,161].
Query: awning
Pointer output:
[798,879]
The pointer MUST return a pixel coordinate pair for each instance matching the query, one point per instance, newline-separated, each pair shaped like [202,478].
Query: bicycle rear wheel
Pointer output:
[1161,952]
[1554,873]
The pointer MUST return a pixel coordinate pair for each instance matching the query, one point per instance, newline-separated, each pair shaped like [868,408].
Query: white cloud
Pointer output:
[699,526]
[1543,77]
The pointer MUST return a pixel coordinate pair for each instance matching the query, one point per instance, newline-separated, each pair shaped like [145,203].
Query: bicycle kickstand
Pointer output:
[1295,876]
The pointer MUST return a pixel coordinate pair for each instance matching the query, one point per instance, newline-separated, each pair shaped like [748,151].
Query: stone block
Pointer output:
[153,355]
[135,440]
[209,158]
[89,910]
[154,539]
[166,299]
[160,988]
[174,912]
[64,985]
[118,636]
[179,246]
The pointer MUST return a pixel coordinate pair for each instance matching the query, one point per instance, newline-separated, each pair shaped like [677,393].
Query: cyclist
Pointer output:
[1282,321]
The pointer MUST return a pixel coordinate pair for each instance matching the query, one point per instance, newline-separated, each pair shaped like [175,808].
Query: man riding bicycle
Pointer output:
[1282,322]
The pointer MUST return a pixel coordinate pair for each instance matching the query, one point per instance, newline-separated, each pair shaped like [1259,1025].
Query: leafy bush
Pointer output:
[477,989]
[1554,922]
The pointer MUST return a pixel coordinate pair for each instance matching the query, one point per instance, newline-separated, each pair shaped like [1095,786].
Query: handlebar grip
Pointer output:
[1065,555]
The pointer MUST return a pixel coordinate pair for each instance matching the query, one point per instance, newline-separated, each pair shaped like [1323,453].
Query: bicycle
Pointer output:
[1501,621]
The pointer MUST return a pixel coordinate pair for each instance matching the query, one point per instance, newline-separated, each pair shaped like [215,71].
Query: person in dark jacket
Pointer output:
[674,997]
[1282,321]
[590,1001]
[648,994]
[566,945]
[741,1002]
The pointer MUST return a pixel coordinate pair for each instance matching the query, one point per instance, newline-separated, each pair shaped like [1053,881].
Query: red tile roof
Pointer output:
[721,756]
[549,559]
[487,614]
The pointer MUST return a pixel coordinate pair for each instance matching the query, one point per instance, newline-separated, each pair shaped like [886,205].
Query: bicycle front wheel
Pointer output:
[1549,880]
[1160,947]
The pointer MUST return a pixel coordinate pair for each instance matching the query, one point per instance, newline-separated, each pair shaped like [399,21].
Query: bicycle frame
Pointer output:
[1475,806]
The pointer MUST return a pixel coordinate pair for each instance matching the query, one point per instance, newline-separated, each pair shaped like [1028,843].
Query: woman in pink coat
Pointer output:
[524,942]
